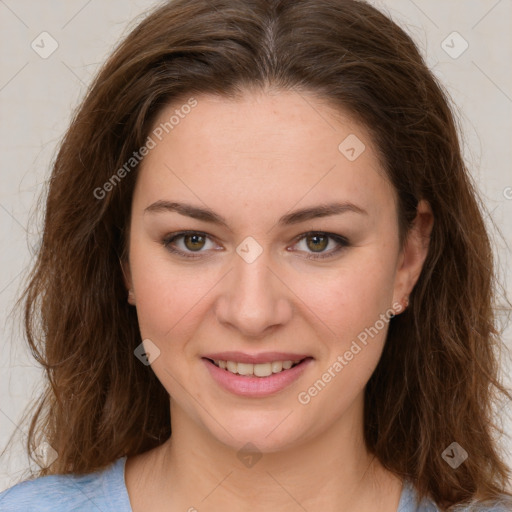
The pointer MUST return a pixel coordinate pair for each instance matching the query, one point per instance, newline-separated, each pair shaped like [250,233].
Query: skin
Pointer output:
[251,161]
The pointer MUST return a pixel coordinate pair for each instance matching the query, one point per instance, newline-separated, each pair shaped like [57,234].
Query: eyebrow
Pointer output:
[295,217]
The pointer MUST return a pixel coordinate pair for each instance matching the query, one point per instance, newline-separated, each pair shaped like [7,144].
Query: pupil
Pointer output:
[197,242]
[316,238]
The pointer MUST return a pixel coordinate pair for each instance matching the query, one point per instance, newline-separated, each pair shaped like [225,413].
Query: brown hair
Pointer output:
[438,375]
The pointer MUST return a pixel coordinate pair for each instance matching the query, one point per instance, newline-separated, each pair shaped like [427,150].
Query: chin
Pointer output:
[275,432]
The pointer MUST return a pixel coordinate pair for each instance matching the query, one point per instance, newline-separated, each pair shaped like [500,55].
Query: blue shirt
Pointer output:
[105,491]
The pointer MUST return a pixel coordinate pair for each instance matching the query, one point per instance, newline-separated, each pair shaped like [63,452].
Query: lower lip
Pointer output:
[254,387]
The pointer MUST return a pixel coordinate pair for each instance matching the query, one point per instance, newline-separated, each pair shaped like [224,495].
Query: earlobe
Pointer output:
[131,297]
[418,241]
[414,254]
[125,268]
[404,304]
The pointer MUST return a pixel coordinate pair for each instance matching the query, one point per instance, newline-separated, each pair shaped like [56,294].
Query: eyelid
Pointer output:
[171,237]
[340,240]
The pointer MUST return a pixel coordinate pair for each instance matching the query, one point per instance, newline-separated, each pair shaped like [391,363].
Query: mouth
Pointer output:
[260,370]
[256,380]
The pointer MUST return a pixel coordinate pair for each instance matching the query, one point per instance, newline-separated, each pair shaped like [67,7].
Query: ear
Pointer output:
[413,255]
[127,275]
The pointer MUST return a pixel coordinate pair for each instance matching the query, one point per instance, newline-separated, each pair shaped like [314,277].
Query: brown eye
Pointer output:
[317,242]
[194,242]
[190,244]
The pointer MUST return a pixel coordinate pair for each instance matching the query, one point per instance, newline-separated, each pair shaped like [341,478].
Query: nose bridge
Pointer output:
[253,299]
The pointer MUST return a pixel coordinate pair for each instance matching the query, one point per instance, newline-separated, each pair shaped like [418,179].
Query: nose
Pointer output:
[253,299]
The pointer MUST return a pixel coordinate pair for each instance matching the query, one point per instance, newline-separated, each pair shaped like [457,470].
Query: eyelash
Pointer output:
[341,241]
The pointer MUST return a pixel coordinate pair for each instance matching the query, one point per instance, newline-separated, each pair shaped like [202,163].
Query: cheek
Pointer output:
[353,295]
[354,302]
[167,297]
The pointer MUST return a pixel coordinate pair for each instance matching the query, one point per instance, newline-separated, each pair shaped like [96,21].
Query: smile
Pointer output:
[255,370]
[256,380]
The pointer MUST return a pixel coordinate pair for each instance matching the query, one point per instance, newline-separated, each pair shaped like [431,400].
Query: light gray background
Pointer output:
[38,96]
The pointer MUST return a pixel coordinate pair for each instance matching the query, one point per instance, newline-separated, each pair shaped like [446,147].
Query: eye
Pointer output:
[318,241]
[186,243]
[189,241]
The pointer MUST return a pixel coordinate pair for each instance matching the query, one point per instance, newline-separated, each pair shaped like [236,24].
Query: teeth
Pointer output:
[277,366]
[258,370]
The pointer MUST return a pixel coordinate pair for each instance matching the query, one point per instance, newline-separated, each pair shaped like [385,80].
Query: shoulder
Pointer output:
[503,505]
[409,503]
[101,490]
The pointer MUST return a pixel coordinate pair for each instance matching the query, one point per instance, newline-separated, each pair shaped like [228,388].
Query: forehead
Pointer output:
[261,152]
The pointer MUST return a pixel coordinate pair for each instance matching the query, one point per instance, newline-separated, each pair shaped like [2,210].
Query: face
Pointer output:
[263,270]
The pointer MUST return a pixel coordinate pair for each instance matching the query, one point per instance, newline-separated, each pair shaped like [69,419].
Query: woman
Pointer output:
[260,236]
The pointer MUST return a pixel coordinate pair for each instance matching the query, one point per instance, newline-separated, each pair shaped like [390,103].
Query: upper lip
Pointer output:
[262,357]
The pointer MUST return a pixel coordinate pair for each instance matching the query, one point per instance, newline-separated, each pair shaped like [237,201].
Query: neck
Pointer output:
[331,472]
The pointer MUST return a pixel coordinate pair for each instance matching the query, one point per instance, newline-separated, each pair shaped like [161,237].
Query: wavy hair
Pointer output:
[438,377]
